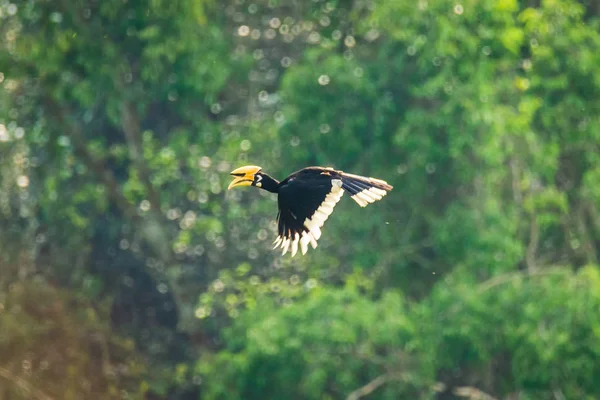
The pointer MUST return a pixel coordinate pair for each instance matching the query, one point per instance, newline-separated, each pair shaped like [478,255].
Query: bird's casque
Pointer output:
[306,199]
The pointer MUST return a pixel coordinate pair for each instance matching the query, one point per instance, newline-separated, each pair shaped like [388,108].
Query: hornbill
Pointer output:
[306,199]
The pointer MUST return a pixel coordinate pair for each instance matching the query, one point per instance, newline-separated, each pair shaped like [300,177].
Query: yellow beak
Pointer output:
[244,176]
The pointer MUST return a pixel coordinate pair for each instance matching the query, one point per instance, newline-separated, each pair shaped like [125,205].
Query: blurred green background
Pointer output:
[128,271]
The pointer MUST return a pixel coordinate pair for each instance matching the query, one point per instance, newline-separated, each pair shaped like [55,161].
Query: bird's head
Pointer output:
[246,176]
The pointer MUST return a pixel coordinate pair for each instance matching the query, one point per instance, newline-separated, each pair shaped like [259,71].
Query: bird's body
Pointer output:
[306,199]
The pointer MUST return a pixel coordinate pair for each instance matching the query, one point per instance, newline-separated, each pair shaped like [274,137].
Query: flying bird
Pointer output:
[306,199]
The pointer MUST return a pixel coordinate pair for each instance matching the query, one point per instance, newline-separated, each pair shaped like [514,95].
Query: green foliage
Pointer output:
[529,334]
[532,334]
[321,347]
[119,123]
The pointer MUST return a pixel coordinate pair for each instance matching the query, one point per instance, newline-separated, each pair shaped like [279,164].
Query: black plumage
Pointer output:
[307,197]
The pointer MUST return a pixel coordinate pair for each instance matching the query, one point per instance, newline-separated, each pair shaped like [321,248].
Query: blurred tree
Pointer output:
[56,345]
[120,120]
[522,335]
[467,104]
[110,118]
[97,115]
[527,335]
[321,347]
[460,102]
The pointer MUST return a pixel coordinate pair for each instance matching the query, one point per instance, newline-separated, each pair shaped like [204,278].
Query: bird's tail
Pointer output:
[364,190]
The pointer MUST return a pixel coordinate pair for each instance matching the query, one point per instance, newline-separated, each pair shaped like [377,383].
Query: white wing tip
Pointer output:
[312,224]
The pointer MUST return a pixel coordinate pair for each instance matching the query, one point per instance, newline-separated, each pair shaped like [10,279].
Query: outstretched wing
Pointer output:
[305,202]
[364,190]
[307,198]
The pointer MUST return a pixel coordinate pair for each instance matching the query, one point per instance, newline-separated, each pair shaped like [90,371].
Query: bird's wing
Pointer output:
[364,190]
[305,203]
[307,198]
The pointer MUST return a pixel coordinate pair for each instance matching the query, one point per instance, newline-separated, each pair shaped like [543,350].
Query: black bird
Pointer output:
[306,199]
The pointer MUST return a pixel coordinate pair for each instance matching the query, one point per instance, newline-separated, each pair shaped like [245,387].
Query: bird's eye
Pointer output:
[258,178]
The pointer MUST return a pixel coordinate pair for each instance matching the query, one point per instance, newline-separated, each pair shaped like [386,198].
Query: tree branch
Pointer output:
[472,393]
[130,124]
[27,387]
[515,173]
[151,228]
[506,278]
[105,175]
[532,247]
[369,387]
[587,246]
